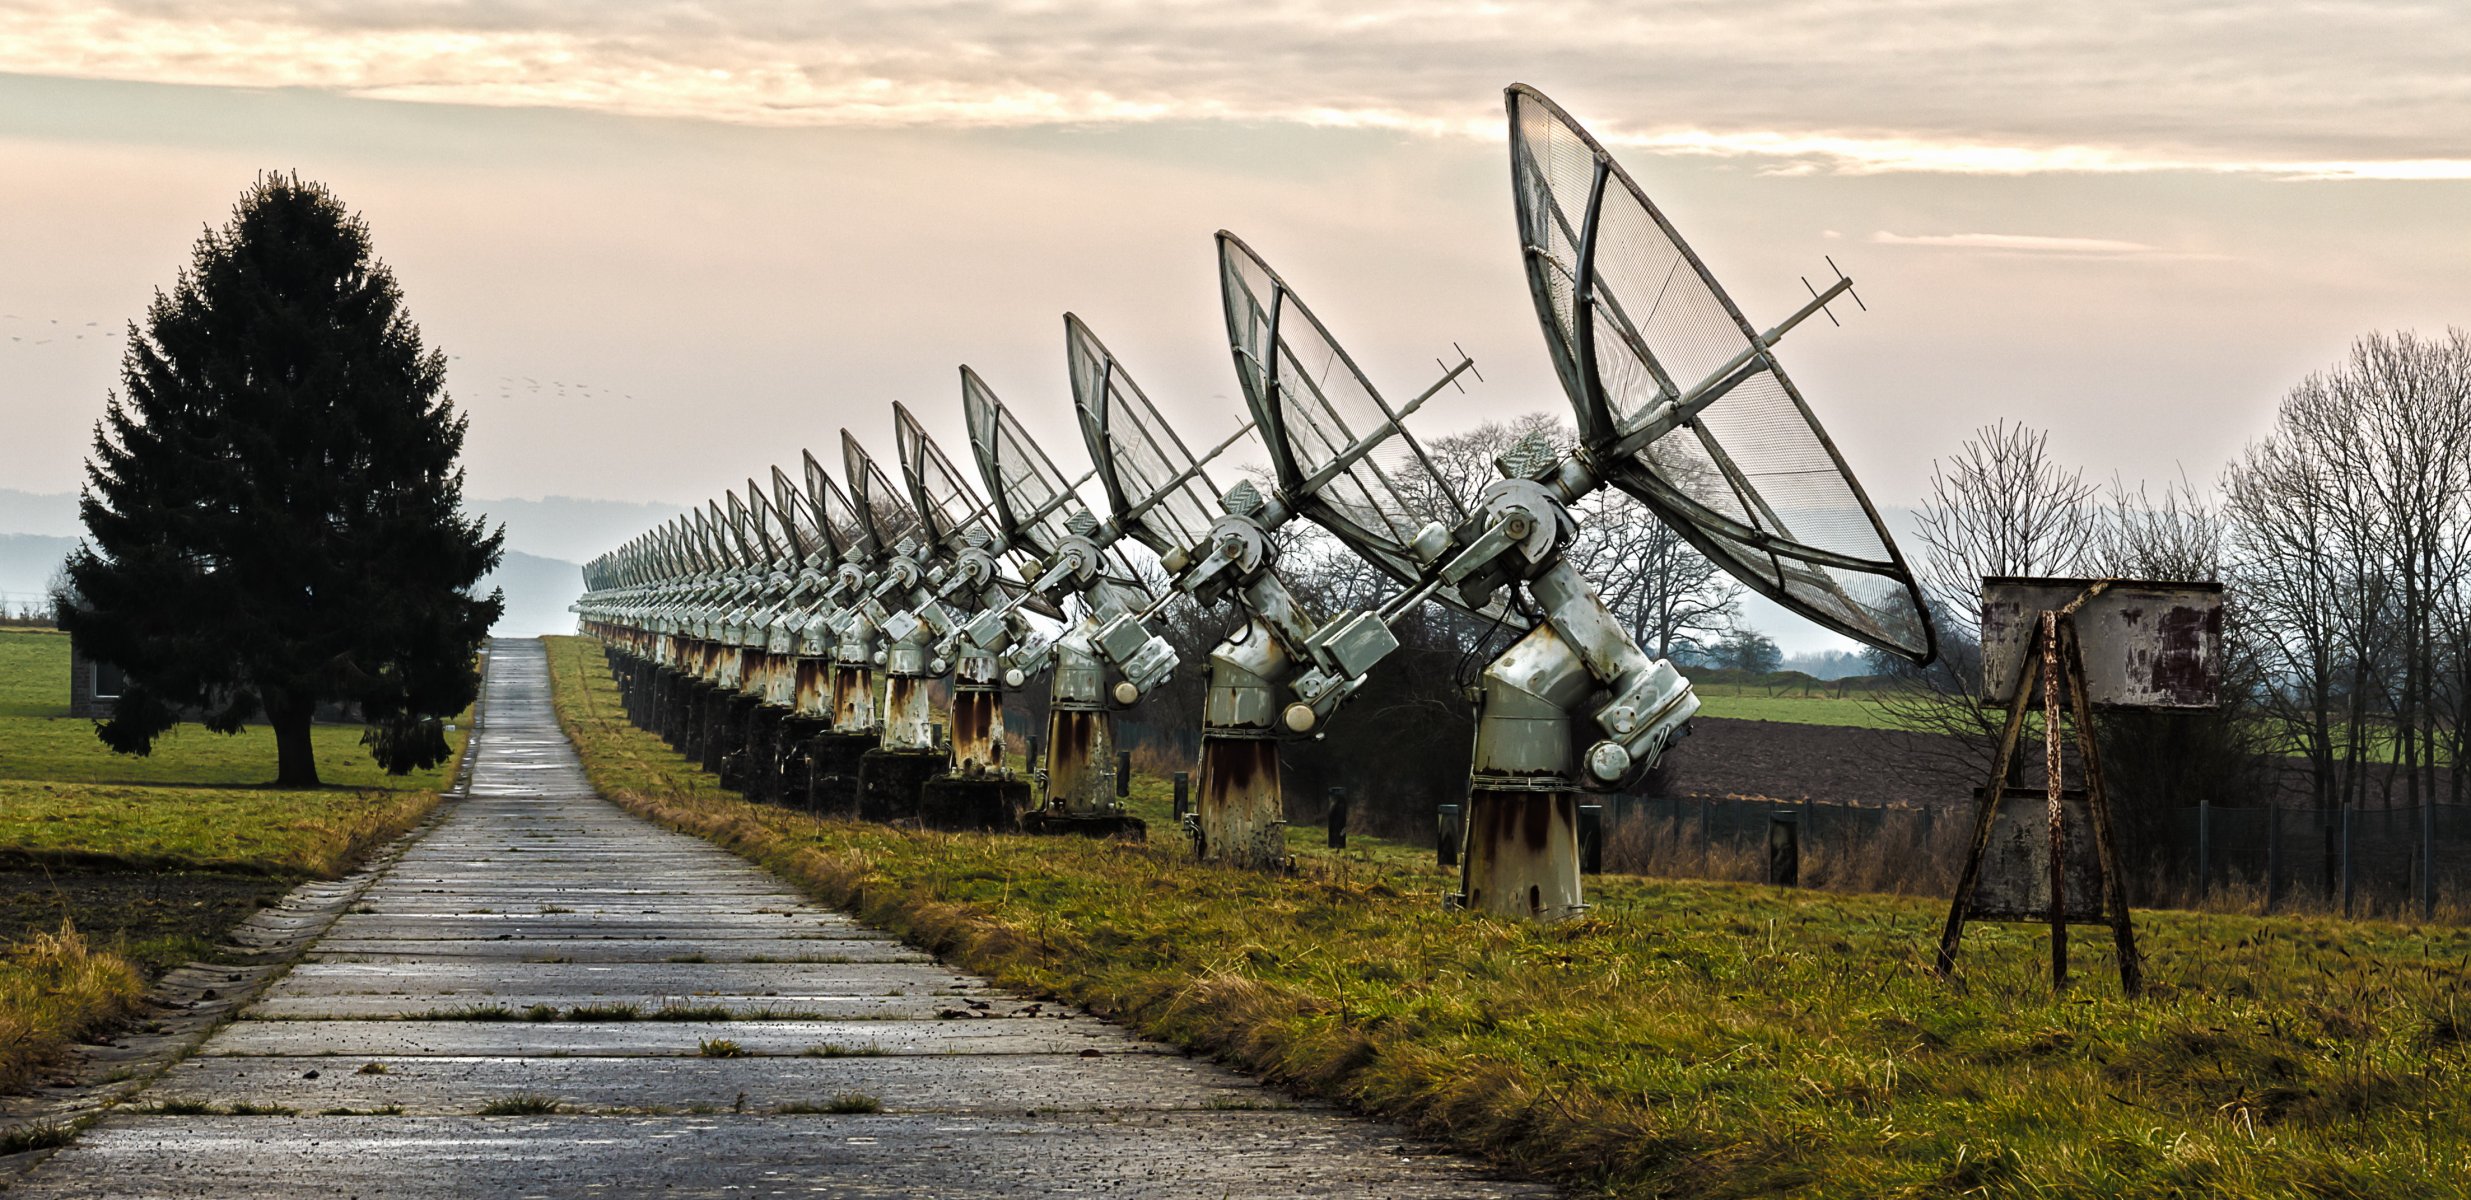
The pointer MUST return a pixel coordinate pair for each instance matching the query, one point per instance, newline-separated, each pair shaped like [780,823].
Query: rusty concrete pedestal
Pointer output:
[987,803]
[1240,813]
[728,710]
[682,722]
[1522,854]
[832,784]
[889,782]
[1101,825]
[756,764]
[792,762]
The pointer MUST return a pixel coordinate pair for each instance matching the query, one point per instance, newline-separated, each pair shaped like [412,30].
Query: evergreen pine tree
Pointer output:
[274,505]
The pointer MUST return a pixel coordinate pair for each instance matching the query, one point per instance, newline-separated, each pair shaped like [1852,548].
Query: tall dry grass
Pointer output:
[56,990]
[1913,859]
[1900,859]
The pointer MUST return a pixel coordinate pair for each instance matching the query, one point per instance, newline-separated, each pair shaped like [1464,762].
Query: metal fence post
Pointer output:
[1446,849]
[1591,839]
[2428,860]
[1784,849]
[1707,836]
[1810,831]
[2204,847]
[2346,860]
[1183,794]
[1338,818]
[1123,774]
[2273,855]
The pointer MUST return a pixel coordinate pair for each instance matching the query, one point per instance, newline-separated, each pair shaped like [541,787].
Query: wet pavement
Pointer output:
[546,996]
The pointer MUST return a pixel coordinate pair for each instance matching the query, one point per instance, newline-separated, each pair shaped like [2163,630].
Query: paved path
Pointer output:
[536,892]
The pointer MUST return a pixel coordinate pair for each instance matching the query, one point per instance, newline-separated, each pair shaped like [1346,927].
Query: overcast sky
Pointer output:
[670,244]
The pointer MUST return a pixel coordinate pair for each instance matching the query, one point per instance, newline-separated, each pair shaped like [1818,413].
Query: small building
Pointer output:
[94,688]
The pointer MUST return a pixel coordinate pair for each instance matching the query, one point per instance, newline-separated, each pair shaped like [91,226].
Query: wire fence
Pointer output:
[2405,862]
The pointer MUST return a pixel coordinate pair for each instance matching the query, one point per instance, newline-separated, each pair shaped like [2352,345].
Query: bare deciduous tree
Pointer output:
[2351,528]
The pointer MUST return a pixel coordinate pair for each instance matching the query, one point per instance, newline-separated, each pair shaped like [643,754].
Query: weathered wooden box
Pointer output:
[2147,643]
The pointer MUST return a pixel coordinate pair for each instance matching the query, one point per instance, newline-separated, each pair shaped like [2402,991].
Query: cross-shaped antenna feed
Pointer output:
[1843,285]
[1451,377]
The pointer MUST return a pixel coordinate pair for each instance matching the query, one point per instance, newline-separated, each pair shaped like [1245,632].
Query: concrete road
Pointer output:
[546,996]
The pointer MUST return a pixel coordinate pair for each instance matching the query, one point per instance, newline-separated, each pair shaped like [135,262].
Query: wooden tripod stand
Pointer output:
[2054,660]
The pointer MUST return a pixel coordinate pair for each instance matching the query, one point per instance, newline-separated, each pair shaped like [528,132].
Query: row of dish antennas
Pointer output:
[1679,402]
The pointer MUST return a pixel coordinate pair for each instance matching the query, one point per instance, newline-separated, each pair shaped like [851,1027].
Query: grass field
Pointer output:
[1686,1038]
[39,740]
[112,867]
[1752,704]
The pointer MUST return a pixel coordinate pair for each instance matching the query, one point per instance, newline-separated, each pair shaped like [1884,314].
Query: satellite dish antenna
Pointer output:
[771,638]
[837,716]
[809,613]
[899,606]
[851,694]
[1038,514]
[1681,402]
[1161,495]
[1216,547]
[769,631]
[1341,452]
[1345,460]
[980,790]
[959,524]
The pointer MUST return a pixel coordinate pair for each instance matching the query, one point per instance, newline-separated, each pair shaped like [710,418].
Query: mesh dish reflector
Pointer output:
[1633,319]
[769,525]
[797,517]
[879,504]
[945,504]
[1311,404]
[837,518]
[1032,501]
[739,521]
[1163,499]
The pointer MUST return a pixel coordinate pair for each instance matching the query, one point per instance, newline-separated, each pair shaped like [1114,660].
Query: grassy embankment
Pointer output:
[112,867]
[1686,1038]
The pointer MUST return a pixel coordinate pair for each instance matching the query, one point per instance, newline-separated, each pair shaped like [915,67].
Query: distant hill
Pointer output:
[26,563]
[53,514]
[563,527]
[537,592]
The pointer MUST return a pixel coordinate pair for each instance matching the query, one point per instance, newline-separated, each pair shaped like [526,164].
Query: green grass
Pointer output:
[520,1106]
[1685,1038]
[1739,704]
[39,740]
[841,1104]
[300,833]
[1789,696]
[66,799]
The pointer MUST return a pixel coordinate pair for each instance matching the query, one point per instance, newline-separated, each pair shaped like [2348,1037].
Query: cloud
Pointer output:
[2039,245]
[2298,89]
[2019,243]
